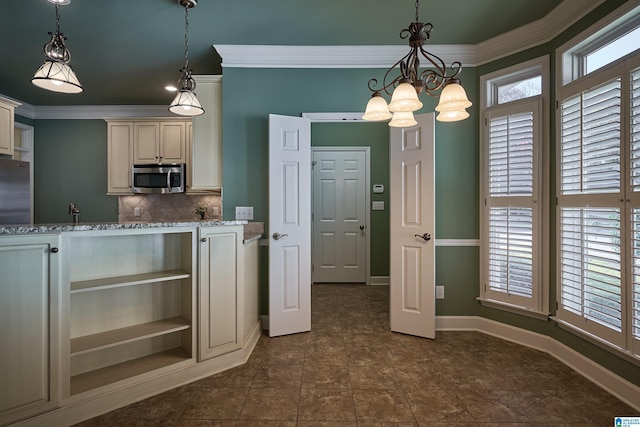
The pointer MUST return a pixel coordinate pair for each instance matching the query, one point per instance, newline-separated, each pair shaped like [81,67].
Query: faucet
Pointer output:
[75,211]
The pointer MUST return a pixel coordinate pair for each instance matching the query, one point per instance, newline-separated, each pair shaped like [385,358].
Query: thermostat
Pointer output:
[378,188]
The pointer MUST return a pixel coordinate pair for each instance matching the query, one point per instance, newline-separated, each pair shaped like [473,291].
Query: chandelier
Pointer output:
[56,73]
[404,89]
[185,102]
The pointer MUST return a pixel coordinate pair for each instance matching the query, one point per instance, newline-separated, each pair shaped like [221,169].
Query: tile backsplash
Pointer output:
[168,207]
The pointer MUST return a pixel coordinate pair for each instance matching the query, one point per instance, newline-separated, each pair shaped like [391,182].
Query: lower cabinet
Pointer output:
[220,290]
[29,325]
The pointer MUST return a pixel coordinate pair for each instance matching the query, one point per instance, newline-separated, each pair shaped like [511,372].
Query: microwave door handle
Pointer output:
[169,181]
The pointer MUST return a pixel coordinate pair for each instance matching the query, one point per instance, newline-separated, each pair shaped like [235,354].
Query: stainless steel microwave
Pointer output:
[165,178]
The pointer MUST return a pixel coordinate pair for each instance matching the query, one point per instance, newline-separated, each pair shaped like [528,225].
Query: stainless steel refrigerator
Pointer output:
[15,192]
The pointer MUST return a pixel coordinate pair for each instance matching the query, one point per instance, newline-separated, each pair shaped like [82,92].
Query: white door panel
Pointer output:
[289,225]
[412,200]
[340,210]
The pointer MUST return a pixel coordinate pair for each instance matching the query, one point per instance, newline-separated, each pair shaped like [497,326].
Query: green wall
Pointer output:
[71,166]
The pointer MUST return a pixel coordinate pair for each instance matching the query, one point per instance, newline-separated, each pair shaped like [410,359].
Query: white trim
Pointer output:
[269,56]
[512,308]
[89,112]
[457,242]
[334,117]
[379,280]
[611,382]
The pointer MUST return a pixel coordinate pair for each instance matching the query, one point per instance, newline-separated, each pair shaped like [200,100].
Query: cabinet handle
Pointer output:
[54,250]
[203,240]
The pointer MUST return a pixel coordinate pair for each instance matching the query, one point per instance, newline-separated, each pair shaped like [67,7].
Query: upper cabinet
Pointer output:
[6,125]
[206,151]
[159,142]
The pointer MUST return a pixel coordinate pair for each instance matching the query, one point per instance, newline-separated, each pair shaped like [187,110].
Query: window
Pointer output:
[598,185]
[512,192]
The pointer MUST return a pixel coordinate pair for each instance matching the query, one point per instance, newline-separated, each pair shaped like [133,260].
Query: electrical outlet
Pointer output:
[439,292]
[136,211]
[216,211]
[244,212]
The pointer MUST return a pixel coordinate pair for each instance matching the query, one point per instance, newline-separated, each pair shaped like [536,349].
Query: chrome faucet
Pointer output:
[75,211]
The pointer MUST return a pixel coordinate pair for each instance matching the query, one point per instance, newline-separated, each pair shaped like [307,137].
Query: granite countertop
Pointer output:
[252,231]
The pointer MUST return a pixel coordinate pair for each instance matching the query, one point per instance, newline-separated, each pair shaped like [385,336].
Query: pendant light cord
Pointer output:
[57,18]
[186,37]
[417,7]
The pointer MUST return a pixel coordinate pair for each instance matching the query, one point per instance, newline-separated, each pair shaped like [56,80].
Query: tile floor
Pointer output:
[351,371]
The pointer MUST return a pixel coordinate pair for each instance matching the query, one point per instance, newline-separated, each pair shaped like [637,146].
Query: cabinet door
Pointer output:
[145,142]
[206,145]
[220,295]
[6,130]
[172,142]
[28,331]
[119,152]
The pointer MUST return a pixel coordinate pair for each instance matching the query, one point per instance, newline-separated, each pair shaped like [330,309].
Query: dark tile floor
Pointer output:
[351,371]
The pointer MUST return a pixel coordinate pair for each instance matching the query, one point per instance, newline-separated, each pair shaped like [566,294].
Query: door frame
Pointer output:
[367,219]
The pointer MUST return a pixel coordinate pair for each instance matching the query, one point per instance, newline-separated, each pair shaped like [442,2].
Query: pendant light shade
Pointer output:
[405,98]
[453,100]
[402,119]
[56,74]
[185,102]
[377,109]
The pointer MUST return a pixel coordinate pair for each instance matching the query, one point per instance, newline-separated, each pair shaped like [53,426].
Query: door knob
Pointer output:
[278,236]
[362,227]
[425,236]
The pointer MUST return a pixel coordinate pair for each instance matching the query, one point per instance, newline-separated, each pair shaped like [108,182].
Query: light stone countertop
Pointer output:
[252,230]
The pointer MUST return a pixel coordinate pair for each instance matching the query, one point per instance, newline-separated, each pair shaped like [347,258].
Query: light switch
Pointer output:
[378,206]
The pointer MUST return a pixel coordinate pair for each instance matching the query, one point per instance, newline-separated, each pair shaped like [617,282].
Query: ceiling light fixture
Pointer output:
[56,73]
[185,103]
[411,81]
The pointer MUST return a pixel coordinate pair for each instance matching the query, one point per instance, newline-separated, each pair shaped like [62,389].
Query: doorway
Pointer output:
[340,214]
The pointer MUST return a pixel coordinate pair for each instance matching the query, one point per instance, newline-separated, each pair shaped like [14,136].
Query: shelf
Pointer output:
[131,280]
[115,337]
[121,371]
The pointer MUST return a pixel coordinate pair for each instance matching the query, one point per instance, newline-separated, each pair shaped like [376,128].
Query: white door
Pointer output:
[339,216]
[412,216]
[289,225]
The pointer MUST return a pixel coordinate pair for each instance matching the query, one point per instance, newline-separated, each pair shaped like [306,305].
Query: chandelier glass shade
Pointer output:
[56,74]
[185,103]
[404,88]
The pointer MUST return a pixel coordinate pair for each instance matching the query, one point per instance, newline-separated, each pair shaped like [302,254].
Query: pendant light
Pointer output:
[56,74]
[185,102]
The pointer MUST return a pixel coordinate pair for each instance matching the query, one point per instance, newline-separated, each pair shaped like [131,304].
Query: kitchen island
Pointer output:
[117,312]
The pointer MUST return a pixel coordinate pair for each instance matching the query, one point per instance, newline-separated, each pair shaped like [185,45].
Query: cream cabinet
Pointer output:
[221,290]
[29,325]
[6,125]
[130,307]
[205,175]
[143,141]
[159,142]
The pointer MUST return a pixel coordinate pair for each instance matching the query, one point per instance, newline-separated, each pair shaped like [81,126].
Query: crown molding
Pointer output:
[264,56]
[90,112]
[535,33]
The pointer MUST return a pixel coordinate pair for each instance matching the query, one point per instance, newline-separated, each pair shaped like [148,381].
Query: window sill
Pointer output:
[511,308]
[593,339]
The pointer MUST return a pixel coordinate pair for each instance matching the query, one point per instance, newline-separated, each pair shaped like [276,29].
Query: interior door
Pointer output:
[339,216]
[412,216]
[289,225]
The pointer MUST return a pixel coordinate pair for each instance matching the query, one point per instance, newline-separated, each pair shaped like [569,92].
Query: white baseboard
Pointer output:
[611,382]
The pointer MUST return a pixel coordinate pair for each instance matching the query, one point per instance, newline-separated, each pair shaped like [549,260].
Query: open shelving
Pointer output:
[131,305]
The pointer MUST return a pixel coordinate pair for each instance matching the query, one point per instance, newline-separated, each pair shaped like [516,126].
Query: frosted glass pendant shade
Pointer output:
[57,77]
[404,98]
[453,97]
[377,109]
[186,104]
[403,119]
[452,116]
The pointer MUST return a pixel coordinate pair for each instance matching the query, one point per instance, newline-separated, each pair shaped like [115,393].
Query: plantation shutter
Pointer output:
[590,210]
[512,213]
[634,100]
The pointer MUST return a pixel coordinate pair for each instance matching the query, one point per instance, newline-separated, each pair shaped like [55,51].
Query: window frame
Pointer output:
[571,80]
[538,305]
